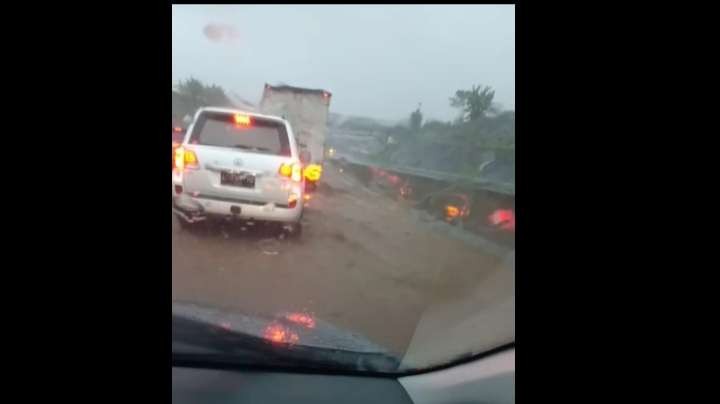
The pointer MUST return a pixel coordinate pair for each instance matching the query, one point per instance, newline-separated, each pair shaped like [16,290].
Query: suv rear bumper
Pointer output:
[197,209]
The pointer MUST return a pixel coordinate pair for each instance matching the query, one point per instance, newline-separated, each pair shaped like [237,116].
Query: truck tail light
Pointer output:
[185,158]
[291,170]
[313,172]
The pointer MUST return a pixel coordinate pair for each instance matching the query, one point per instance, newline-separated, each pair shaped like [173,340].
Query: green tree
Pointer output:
[437,126]
[361,124]
[416,119]
[474,103]
[192,92]
[215,96]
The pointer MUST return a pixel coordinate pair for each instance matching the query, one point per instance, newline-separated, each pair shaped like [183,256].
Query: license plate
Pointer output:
[245,180]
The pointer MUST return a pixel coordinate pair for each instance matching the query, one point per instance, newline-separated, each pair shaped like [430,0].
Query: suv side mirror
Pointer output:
[305,156]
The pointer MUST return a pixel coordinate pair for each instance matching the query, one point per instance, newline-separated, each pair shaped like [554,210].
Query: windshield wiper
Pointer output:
[220,347]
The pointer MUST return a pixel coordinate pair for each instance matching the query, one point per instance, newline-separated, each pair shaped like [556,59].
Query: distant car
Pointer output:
[238,165]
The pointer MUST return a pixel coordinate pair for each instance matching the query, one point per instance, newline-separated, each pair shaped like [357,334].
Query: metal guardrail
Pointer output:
[479,182]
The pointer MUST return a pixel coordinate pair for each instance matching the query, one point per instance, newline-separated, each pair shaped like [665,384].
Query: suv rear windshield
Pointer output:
[257,135]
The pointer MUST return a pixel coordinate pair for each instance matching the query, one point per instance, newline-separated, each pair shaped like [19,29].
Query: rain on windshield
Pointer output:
[344,177]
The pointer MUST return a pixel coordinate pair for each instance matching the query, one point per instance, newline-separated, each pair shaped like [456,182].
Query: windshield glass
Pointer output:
[389,246]
[241,131]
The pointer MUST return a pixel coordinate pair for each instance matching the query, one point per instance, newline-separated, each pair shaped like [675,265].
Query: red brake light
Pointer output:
[292,200]
[285,170]
[503,218]
[185,159]
[179,158]
[293,171]
[452,211]
[313,172]
[242,119]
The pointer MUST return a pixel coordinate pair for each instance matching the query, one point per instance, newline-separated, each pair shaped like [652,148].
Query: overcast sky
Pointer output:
[378,61]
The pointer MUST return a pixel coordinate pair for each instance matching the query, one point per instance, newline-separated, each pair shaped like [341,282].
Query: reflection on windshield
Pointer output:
[276,332]
[338,204]
[306,320]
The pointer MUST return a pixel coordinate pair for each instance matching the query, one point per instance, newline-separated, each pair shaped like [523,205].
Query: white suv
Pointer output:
[239,165]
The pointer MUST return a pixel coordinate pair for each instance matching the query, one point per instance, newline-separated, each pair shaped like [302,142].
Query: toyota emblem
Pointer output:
[238,162]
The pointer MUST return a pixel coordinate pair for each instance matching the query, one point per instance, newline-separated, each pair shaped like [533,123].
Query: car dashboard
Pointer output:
[488,380]
[221,386]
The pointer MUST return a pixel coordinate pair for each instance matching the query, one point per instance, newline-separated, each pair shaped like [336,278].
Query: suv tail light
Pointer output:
[243,120]
[292,200]
[185,159]
[292,171]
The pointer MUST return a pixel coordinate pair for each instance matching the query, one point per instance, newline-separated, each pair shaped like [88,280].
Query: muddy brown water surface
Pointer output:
[364,263]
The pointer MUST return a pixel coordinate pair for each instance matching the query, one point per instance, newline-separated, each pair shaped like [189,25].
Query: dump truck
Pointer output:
[307,111]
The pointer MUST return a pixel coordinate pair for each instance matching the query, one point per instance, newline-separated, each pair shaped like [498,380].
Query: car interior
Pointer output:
[485,379]
[343,201]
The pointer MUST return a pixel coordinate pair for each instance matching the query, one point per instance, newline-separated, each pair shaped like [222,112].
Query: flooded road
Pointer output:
[366,261]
